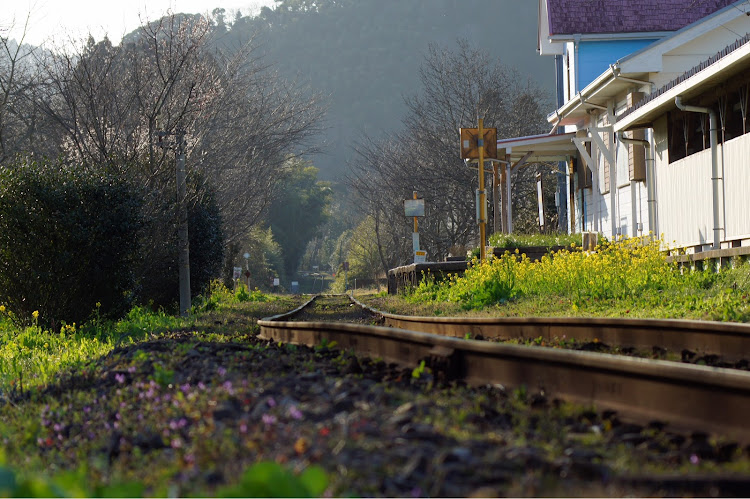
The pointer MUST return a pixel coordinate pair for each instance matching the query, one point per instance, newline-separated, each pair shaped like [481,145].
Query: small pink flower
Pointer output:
[120,378]
[243,428]
[694,459]
[269,419]
[176,443]
[295,413]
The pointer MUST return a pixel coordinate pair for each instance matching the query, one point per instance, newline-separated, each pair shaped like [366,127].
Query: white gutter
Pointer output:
[580,99]
[617,76]
[714,162]
[650,176]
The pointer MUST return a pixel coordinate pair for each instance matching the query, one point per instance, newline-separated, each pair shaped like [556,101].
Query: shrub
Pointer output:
[619,270]
[67,241]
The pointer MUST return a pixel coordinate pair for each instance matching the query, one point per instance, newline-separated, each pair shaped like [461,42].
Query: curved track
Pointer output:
[731,341]
[687,397]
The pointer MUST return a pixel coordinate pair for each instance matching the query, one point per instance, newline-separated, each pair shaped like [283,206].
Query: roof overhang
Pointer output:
[596,96]
[538,148]
[719,72]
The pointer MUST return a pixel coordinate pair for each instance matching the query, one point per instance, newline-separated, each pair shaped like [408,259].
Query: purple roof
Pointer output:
[568,17]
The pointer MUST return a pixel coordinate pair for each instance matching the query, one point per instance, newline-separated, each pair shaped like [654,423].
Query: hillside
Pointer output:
[365,54]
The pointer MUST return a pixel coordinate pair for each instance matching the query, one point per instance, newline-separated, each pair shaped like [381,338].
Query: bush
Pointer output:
[619,270]
[68,241]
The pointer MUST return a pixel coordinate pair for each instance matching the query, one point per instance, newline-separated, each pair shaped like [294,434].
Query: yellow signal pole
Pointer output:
[482,199]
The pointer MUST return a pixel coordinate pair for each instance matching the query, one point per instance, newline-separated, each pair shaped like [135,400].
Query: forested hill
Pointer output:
[365,54]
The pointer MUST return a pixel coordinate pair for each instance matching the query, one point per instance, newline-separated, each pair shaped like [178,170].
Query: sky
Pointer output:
[58,20]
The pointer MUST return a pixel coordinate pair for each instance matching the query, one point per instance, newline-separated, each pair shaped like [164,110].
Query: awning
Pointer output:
[538,148]
[693,84]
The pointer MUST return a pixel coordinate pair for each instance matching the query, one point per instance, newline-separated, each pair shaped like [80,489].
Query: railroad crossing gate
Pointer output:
[470,143]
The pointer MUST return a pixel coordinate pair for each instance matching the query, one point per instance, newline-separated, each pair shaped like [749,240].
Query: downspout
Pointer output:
[650,186]
[576,43]
[714,162]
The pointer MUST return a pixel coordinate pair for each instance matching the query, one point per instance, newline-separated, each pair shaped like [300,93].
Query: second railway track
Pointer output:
[686,397]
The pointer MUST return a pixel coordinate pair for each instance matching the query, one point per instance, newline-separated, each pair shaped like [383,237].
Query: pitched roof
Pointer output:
[568,17]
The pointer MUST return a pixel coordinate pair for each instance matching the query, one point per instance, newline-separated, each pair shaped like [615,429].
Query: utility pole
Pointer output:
[182,229]
[183,242]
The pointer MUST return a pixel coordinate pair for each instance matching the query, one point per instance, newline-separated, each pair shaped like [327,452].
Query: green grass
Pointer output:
[626,279]
[74,361]
[32,356]
[525,240]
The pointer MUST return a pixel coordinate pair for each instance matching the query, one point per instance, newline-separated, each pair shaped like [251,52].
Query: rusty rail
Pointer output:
[687,397]
[731,341]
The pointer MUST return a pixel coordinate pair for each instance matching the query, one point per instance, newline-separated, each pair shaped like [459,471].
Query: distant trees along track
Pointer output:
[687,397]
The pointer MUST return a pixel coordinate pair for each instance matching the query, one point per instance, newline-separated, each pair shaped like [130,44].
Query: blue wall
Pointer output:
[595,57]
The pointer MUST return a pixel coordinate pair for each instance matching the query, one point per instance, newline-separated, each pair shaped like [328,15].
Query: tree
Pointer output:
[23,128]
[364,253]
[300,208]
[423,157]
[114,104]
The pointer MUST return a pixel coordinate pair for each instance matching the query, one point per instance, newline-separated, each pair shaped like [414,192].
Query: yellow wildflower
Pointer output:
[35,314]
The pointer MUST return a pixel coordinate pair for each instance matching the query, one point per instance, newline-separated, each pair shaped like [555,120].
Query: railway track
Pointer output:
[686,397]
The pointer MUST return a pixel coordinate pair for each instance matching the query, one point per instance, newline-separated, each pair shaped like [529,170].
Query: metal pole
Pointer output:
[482,196]
[495,199]
[182,229]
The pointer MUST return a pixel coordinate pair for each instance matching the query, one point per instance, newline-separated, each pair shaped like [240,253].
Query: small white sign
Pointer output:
[276,281]
[420,256]
[237,273]
[414,207]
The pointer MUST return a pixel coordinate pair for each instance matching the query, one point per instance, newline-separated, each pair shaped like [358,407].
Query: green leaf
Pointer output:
[128,489]
[315,480]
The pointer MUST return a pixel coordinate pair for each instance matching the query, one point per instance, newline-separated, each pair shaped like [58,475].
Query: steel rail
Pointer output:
[686,397]
[731,341]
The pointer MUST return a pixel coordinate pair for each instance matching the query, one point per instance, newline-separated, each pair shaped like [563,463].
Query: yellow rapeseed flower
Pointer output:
[2,309]
[35,314]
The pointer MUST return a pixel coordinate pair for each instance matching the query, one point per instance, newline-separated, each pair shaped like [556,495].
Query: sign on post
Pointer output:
[237,273]
[420,256]
[414,207]
[470,143]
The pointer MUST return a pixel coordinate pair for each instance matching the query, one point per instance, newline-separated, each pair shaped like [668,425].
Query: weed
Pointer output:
[418,371]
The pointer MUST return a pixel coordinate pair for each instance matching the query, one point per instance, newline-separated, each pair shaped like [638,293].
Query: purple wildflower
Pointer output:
[269,419]
[295,413]
[120,378]
[221,371]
